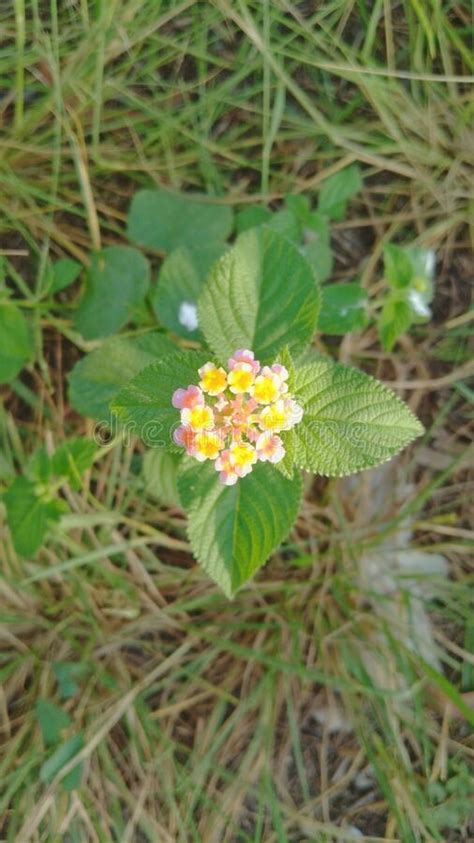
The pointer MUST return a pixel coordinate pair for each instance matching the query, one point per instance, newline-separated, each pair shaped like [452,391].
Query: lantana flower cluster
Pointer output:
[235,417]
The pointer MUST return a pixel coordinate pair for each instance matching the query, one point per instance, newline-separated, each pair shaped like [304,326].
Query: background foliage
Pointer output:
[332,698]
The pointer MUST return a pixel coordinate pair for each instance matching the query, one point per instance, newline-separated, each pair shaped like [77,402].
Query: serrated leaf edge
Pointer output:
[386,388]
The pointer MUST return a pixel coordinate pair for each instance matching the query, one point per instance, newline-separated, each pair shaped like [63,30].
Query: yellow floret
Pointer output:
[240,380]
[265,390]
[274,417]
[198,418]
[242,454]
[208,445]
[213,381]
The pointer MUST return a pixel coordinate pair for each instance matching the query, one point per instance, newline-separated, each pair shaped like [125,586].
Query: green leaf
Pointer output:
[69,461]
[350,422]
[321,259]
[176,294]
[337,190]
[286,466]
[394,321]
[59,759]
[16,343]
[286,360]
[164,221]
[299,207]
[409,271]
[62,274]
[145,403]
[398,270]
[29,515]
[160,471]
[96,379]
[261,295]
[285,222]
[68,674]
[116,283]
[72,459]
[234,529]
[73,779]
[251,217]
[38,467]
[309,356]
[344,309]
[52,720]
[317,249]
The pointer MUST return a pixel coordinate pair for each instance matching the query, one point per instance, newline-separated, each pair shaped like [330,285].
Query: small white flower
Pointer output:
[188,315]
[418,305]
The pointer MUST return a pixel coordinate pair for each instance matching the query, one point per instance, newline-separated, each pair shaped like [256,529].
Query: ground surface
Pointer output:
[323,703]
